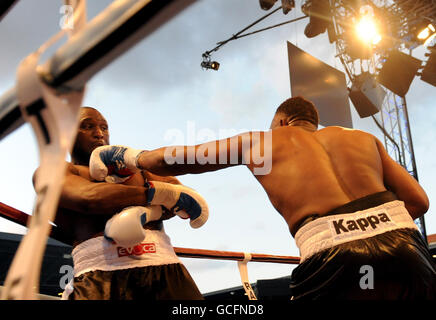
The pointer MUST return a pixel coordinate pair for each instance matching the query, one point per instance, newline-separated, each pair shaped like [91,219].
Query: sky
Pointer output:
[157,91]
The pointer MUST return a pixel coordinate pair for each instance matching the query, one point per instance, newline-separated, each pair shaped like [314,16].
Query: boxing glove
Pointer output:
[117,162]
[181,200]
[126,228]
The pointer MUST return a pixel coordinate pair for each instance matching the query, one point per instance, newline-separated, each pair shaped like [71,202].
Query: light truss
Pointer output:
[399,18]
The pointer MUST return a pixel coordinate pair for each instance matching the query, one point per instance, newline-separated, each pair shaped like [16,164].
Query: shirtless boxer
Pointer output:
[104,270]
[346,202]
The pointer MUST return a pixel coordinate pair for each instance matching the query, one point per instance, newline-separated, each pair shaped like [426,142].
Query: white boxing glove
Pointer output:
[126,228]
[181,200]
[113,161]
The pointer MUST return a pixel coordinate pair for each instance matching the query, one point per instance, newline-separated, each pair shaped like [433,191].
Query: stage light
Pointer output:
[214,65]
[425,33]
[363,34]
[208,64]
[267,4]
[367,30]
[428,34]
[398,72]
[429,72]
[319,17]
[287,5]
[367,95]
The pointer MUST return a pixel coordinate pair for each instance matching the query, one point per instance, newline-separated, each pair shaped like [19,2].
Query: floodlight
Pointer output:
[267,4]
[423,31]
[319,17]
[398,72]
[208,64]
[429,72]
[367,30]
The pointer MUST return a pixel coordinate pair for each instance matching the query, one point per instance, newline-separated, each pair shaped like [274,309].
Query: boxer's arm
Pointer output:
[148,176]
[81,195]
[206,157]
[403,184]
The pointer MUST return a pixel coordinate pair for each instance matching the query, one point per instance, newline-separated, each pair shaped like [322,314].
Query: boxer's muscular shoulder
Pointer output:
[70,169]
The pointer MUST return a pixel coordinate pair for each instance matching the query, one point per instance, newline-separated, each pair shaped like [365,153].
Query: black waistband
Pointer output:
[370,201]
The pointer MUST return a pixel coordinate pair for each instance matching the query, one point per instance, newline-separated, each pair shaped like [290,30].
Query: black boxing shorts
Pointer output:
[149,270]
[164,282]
[375,252]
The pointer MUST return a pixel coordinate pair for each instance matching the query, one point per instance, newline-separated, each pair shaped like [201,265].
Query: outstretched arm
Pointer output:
[251,149]
[179,160]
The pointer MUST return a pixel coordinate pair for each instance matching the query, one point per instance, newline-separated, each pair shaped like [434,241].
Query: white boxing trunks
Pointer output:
[329,231]
[100,254]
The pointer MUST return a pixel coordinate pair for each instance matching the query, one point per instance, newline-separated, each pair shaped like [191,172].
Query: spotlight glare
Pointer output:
[367,31]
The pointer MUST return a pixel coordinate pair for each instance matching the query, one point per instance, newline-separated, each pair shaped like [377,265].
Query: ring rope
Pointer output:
[23,219]
[235,256]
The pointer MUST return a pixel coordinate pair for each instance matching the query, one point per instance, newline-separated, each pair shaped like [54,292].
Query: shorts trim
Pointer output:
[329,231]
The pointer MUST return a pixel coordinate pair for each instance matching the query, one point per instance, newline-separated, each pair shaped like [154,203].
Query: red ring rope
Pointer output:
[22,218]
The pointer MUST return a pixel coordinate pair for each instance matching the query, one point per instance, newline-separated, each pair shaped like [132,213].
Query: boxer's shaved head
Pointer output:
[93,131]
[295,109]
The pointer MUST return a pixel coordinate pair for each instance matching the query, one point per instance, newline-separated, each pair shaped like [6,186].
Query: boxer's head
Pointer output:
[92,132]
[295,111]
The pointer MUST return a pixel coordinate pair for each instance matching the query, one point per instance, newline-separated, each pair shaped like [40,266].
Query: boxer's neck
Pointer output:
[82,160]
[302,124]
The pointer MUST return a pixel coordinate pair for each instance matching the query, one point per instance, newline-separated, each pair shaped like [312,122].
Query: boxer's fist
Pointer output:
[117,162]
[126,228]
[183,201]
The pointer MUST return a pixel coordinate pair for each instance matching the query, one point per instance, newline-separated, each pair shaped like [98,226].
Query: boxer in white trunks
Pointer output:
[104,266]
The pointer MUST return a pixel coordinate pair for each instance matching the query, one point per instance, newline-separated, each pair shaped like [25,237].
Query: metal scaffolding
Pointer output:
[396,122]
[399,17]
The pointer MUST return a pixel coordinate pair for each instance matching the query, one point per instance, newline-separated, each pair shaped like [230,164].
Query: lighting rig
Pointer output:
[372,39]
[374,42]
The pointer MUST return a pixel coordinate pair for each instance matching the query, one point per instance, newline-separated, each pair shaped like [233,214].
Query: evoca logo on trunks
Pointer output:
[375,221]
[137,250]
